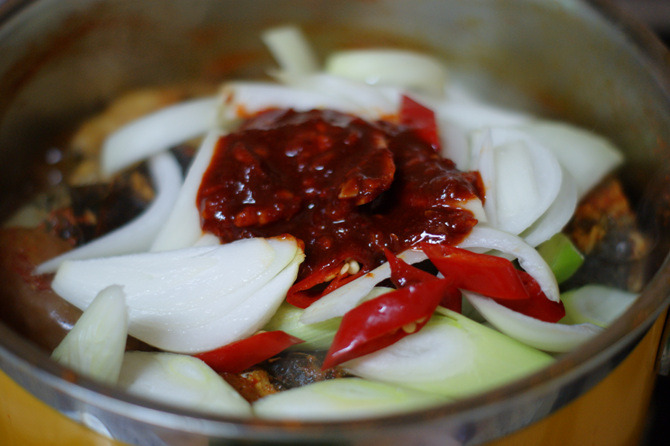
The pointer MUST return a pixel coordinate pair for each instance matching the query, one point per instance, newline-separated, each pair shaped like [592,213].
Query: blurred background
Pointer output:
[656,14]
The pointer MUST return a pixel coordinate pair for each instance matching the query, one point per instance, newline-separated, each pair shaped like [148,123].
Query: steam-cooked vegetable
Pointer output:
[95,345]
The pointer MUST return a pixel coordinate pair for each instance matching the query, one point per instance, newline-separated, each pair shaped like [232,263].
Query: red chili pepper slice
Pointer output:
[485,274]
[421,119]
[538,305]
[240,355]
[404,274]
[381,321]
[304,293]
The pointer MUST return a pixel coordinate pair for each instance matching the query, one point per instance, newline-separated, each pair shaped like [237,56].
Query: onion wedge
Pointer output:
[181,228]
[193,299]
[405,69]
[370,102]
[522,177]
[181,381]
[343,399]
[243,99]
[587,156]
[557,216]
[95,345]
[139,234]
[290,49]
[551,337]
[157,132]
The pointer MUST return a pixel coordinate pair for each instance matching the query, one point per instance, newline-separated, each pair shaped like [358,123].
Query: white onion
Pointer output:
[192,299]
[522,176]
[290,49]
[451,356]
[367,101]
[181,227]
[182,381]
[242,99]
[587,156]
[552,337]
[157,132]
[95,344]
[405,69]
[557,216]
[343,399]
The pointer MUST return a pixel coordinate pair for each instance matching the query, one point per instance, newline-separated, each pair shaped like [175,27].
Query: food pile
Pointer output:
[342,241]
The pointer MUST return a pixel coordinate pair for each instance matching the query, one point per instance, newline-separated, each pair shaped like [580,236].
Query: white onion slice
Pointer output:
[181,227]
[157,132]
[193,299]
[343,399]
[242,99]
[290,49]
[370,102]
[346,297]
[587,156]
[182,381]
[139,234]
[557,216]
[525,177]
[529,259]
[451,356]
[95,345]
[405,69]
[546,336]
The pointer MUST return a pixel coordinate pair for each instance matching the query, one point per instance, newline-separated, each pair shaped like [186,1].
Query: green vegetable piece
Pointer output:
[562,256]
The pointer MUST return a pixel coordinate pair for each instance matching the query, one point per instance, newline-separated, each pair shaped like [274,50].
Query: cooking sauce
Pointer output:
[345,187]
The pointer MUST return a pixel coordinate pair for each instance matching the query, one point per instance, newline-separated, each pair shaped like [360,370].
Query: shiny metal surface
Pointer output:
[582,60]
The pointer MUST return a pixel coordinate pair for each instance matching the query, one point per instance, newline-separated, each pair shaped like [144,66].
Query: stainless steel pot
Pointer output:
[582,61]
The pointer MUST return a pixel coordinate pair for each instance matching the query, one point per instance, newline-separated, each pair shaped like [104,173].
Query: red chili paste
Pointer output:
[346,187]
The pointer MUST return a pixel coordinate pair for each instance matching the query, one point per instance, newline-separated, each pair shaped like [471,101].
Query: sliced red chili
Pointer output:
[404,274]
[485,274]
[240,355]
[382,321]
[538,305]
[307,291]
[420,119]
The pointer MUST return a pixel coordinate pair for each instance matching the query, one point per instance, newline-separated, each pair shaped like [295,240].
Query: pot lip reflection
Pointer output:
[31,367]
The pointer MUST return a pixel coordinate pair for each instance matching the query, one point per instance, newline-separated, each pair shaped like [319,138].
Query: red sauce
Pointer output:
[346,187]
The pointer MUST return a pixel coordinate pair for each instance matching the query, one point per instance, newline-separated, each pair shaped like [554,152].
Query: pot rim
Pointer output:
[20,358]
